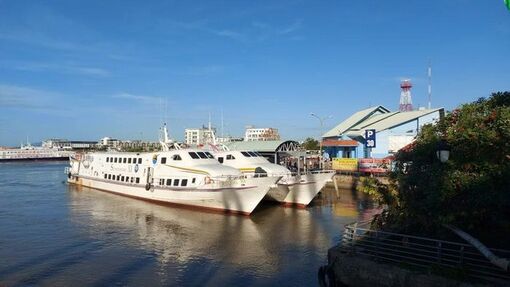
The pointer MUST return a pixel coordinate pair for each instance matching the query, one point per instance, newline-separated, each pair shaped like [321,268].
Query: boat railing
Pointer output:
[422,252]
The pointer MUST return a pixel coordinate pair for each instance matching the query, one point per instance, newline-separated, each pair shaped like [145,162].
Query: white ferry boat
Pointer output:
[182,177]
[29,152]
[292,189]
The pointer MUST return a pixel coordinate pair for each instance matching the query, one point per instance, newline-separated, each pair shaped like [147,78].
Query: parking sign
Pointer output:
[370,138]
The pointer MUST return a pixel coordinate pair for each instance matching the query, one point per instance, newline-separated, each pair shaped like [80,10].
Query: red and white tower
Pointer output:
[406,104]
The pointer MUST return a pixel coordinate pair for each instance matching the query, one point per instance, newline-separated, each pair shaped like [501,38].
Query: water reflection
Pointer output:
[180,235]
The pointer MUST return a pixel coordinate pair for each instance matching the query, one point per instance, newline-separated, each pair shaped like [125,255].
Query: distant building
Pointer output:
[67,144]
[198,136]
[394,130]
[227,139]
[108,142]
[261,134]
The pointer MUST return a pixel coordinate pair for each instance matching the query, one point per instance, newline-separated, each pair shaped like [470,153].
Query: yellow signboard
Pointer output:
[348,164]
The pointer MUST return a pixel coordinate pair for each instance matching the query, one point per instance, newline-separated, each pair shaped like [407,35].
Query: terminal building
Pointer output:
[394,130]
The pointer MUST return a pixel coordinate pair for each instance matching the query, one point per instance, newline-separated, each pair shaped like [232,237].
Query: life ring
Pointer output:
[147,186]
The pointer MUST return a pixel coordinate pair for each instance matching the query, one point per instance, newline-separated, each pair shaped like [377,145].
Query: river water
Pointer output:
[53,234]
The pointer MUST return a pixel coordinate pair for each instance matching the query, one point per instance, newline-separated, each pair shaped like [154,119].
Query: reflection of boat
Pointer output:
[298,189]
[184,236]
[175,234]
[183,177]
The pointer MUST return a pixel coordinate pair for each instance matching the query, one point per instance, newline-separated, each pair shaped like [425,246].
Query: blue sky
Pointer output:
[86,69]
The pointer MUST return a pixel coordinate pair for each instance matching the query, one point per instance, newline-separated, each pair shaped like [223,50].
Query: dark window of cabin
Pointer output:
[140,160]
[258,153]
[252,154]
[132,179]
[184,182]
[134,160]
[115,159]
[118,177]
[105,176]
[122,178]
[163,160]
[193,180]
[137,180]
[229,156]
[201,154]
[161,181]
[168,181]
[176,157]
[209,155]
[193,155]
[129,160]
[107,159]
[125,160]
[246,154]
[220,159]
[127,178]
[176,182]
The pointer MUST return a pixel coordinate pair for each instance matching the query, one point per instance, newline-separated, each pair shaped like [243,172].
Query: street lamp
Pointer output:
[443,151]
[321,120]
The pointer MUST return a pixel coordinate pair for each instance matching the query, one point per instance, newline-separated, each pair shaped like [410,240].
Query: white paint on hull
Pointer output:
[242,198]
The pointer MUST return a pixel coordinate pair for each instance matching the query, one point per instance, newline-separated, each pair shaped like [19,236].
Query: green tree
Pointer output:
[471,190]
[310,144]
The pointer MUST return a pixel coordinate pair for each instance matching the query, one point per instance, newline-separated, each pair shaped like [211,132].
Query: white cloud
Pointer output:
[129,96]
[64,68]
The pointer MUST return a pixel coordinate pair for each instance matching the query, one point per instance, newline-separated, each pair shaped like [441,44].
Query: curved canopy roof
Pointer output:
[263,146]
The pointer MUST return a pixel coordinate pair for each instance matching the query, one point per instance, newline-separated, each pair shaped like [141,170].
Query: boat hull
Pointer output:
[240,199]
[302,192]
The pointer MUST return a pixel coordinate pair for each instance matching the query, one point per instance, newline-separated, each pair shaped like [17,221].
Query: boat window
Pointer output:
[201,154]
[184,182]
[220,159]
[105,176]
[163,160]
[137,180]
[122,178]
[161,181]
[229,156]
[252,154]
[107,159]
[193,180]
[115,159]
[176,157]
[176,182]
[209,155]
[127,178]
[134,160]
[193,155]
[258,153]
[140,160]
[124,160]
[129,160]
[168,181]
[132,179]
[246,154]
[118,177]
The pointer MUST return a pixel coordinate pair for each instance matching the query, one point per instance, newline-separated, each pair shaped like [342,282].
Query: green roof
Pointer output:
[261,146]
[355,119]
[378,118]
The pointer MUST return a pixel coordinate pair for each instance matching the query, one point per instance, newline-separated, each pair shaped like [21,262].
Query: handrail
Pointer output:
[422,251]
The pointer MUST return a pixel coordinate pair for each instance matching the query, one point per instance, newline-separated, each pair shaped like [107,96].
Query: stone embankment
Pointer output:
[351,181]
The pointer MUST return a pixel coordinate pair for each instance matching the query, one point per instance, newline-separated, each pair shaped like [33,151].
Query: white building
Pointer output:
[198,136]
[261,134]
